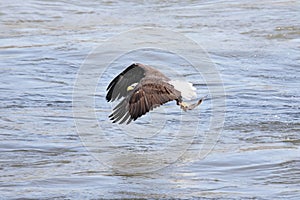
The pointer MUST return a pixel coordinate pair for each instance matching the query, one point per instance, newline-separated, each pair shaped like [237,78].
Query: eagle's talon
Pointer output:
[184,106]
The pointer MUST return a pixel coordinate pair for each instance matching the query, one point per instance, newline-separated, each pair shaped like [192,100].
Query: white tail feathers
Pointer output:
[187,89]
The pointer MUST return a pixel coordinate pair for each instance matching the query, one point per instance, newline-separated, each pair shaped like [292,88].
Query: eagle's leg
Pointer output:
[184,106]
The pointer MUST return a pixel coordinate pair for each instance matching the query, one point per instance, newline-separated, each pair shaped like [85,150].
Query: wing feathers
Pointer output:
[153,89]
[142,100]
[150,96]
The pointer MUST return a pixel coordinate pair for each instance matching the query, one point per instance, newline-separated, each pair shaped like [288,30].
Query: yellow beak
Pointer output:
[129,88]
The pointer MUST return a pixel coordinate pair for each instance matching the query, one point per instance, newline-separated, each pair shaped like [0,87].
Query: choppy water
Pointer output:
[255,46]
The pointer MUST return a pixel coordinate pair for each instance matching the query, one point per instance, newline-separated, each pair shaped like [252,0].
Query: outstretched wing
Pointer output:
[118,86]
[143,99]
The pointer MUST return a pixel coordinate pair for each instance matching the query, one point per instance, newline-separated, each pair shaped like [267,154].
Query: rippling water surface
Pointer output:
[255,45]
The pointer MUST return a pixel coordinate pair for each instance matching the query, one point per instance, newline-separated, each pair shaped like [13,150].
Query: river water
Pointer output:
[254,45]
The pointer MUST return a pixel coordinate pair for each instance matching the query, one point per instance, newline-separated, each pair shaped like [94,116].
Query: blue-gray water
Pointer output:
[255,46]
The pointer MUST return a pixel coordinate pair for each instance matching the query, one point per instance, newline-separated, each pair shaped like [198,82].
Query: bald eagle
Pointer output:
[144,88]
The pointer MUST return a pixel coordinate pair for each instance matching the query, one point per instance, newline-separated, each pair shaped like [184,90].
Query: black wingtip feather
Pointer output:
[116,82]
